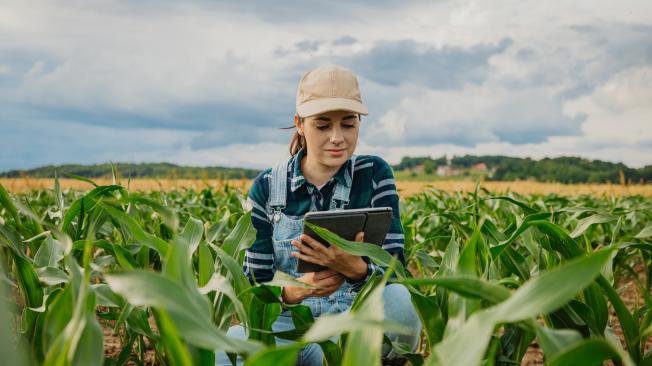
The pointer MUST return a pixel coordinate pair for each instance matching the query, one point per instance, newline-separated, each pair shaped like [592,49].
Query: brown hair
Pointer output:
[298,141]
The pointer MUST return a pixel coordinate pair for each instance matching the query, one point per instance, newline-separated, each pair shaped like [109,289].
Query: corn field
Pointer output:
[162,273]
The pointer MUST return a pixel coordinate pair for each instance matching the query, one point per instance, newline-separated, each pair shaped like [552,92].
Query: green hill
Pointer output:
[145,170]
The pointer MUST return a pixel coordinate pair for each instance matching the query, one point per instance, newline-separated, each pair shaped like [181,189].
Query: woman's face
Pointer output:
[331,137]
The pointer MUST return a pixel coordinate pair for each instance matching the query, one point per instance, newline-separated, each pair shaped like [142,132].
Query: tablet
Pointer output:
[374,222]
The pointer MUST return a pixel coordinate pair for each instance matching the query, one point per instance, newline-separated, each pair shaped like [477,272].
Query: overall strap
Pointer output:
[341,195]
[278,190]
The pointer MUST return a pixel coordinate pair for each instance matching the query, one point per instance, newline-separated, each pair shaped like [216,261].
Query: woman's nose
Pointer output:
[336,136]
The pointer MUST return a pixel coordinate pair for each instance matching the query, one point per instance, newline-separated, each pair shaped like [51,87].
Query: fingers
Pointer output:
[305,249]
[307,258]
[328,286]
[313,243]
[325,274]
[329,281]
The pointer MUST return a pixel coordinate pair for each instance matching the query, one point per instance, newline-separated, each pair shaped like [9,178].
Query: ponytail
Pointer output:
[297,142]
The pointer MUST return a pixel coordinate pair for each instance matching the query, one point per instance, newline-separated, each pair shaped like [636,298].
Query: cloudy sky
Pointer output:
[210,82]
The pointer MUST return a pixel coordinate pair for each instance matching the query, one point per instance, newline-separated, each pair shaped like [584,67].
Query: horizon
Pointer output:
[211,83]
[265,167]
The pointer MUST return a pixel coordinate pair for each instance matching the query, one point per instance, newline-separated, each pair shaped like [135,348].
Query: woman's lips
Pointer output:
[335,152]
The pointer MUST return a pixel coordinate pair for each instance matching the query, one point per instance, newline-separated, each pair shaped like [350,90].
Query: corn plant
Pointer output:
[487,275]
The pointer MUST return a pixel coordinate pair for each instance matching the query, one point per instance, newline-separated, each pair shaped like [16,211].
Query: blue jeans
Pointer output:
[398,308]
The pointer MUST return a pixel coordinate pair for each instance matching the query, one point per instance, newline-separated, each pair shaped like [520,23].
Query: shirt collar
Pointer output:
[343,175]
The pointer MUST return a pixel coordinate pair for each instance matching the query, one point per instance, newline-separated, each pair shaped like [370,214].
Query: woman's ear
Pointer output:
[298,122]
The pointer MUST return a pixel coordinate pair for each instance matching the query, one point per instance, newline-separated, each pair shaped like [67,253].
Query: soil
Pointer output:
[113,345]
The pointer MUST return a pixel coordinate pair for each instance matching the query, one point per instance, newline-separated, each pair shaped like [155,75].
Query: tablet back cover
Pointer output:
[377,226]
[345,226]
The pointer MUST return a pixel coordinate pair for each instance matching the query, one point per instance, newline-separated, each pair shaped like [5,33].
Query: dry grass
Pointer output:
[528,187]
[405,188]
[19,185]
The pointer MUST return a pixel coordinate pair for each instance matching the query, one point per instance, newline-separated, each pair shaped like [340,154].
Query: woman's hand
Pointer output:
[327,282]
[349,265]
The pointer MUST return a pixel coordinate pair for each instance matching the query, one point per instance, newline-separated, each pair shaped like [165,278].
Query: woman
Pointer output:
[323,174]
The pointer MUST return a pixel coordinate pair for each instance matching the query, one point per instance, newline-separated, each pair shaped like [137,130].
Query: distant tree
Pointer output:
[429,167]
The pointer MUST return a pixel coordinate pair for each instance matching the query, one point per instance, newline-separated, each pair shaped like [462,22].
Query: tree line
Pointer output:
[561,169]
[499,168]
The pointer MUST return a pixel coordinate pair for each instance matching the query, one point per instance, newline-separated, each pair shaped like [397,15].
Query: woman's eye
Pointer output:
[325,127]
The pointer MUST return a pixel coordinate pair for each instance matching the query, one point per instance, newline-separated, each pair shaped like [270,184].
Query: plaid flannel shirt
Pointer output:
[373,185]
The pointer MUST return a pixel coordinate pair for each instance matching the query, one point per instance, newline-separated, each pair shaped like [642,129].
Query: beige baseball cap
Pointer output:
[327,89]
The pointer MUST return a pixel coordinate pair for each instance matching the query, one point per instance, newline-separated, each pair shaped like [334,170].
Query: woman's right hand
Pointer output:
[327,282]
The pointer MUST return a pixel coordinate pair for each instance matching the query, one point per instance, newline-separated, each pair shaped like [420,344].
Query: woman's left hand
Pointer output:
[349,265]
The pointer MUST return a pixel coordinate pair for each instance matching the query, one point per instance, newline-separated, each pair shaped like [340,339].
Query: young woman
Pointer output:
[322,174]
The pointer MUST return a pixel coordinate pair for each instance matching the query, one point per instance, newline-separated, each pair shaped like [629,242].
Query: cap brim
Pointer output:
[318,106]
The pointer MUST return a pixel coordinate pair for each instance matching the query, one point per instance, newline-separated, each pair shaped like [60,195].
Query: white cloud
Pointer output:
[475,114]
[574,78]
[619,111]
[618,126]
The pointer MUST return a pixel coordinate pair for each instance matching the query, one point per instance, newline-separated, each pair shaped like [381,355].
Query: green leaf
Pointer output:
[240,281]
[645,233]
[49,253]
[430,315]
[134,229]
[282,279]
[241,237]
[106,297]
[188,310]
[539,295]
[90,349]
[88,201]
[206,264]
[364,345]
[527,209]
[282,355]
[168,215]
[10,355]
[585,223]
[192,233]
[222,285]
[375,252]
[328,326]
[470,287]
[589,352]
[175,350]
[552,289]
[554,341]
[8,203]
[52,276]
[28,282]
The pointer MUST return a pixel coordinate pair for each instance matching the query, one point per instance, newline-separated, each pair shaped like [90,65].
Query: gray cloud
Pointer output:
[344,40]
[622,45]
[393,63]
[308,45]
[306,11]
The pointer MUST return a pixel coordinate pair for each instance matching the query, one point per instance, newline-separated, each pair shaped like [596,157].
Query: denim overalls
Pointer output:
[287,229]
